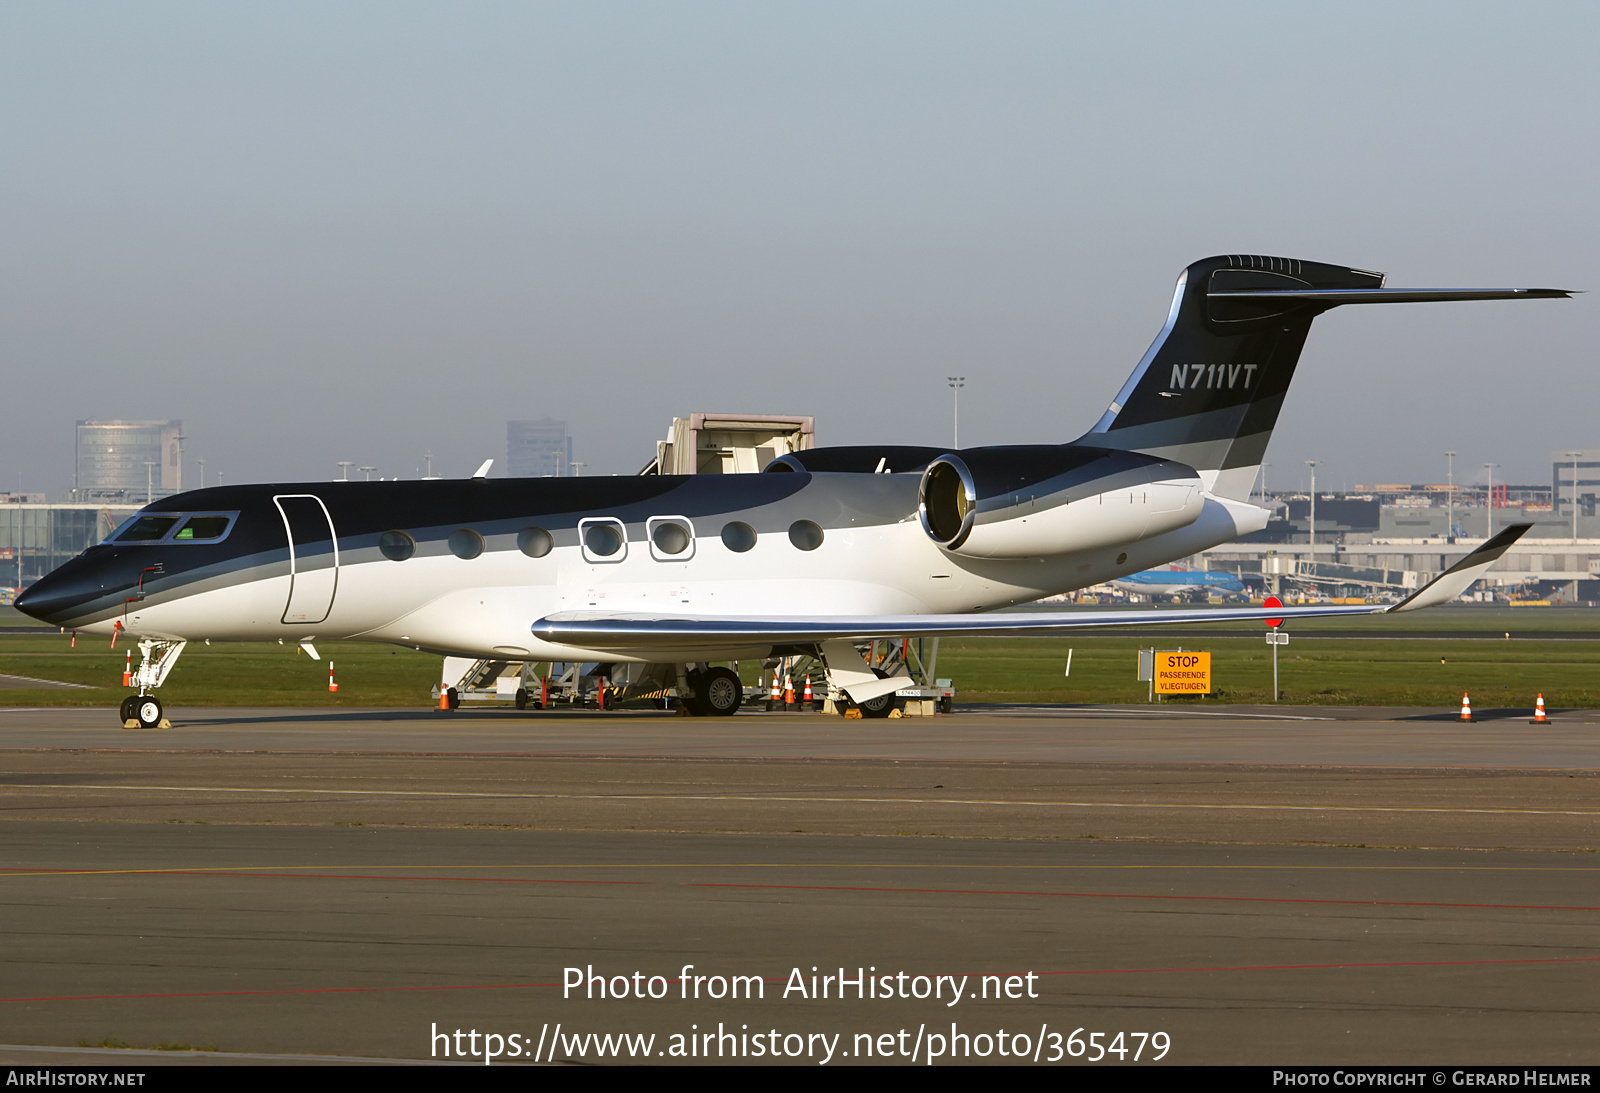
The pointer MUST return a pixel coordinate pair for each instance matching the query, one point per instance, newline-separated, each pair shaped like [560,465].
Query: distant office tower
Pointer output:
[128,459]
[1575,474]
[538,449]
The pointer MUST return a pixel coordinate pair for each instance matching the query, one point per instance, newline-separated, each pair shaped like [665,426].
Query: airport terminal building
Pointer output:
[1386,539]
[36,537]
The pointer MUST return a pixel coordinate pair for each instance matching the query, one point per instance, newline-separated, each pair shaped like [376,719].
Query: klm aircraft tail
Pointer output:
[1208,391]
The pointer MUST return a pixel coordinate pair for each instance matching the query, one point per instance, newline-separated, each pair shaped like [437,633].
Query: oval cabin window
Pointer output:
[465,543]
[805,535]
[670,537]
[602,539]
[396,546]
[535,542]
[738,537]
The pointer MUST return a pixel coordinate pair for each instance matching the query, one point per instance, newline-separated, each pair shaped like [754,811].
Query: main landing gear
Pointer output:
[716,692]
[143,710]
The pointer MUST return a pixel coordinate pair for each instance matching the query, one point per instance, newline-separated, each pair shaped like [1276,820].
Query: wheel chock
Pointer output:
[165,724]
[131,723]
[852,714]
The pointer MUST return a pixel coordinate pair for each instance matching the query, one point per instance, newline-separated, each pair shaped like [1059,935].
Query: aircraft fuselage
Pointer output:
[466,567]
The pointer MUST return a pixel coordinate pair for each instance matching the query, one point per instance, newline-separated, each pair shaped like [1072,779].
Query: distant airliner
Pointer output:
[1175,582]
[828,548]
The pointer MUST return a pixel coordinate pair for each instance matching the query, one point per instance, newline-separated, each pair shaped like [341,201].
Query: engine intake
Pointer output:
[1027,501]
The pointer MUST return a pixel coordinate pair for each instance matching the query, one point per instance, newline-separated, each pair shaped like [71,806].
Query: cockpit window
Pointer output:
[202,528]
[147,529]
[116,532]
[175,527]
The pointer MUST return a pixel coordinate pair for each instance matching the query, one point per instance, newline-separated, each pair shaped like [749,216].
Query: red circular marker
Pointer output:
[1273,601]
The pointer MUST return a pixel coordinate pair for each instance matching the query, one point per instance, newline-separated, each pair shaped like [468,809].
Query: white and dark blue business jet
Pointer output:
[825,549]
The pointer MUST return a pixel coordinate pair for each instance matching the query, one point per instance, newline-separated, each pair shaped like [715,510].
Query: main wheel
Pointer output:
[881,706]
[453,698]
[719,692]
[148,710]
[127,708]
[522,698]
[877,707]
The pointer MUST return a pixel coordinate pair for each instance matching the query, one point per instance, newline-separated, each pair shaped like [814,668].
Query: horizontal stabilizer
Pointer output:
[1334,296]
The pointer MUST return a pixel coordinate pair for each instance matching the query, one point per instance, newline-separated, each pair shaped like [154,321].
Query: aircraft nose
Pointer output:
[39,601]
[62,597]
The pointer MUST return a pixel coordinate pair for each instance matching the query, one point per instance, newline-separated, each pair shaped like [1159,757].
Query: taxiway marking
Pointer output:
[981,802]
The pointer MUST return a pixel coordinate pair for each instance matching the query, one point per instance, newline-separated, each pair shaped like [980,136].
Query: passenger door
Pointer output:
[313,557]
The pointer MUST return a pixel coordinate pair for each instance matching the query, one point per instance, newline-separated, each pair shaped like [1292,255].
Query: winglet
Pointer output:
[483,471]
[1459,577]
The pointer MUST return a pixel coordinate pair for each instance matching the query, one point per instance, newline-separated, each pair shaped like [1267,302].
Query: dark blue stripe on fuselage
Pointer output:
[103,577]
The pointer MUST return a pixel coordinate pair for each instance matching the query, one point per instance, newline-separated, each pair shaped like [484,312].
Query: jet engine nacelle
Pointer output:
[1033,501]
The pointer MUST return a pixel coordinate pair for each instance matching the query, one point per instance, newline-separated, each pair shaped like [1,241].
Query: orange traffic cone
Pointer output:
[332,686]
[772,695]
[444,699]
[1466,707]
[788,692]
[1539,717]
[127,670]
[808,700]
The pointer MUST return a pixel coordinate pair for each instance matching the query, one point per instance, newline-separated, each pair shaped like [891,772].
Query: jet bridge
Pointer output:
[1305,571]
[729,443]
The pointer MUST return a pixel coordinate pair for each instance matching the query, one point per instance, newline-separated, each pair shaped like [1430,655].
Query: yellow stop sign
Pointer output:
[1183,673]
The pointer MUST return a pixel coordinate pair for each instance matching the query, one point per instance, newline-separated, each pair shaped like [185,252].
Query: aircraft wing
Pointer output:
[635,632]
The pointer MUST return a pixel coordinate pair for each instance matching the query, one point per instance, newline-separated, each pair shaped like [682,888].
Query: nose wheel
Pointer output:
[148,711]
[145,709]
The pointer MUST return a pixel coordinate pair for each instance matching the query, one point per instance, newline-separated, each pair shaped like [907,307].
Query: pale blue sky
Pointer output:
[360,231]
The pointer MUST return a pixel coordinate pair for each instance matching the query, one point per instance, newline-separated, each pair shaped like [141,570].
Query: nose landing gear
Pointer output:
[143,710]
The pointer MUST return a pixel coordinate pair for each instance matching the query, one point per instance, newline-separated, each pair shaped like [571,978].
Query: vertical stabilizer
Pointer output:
[1208,391]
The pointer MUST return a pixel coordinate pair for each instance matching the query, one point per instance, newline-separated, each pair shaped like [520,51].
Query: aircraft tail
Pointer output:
[1208,391]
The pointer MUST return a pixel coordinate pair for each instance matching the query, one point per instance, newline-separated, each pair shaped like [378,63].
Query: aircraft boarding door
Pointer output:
[313,557]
